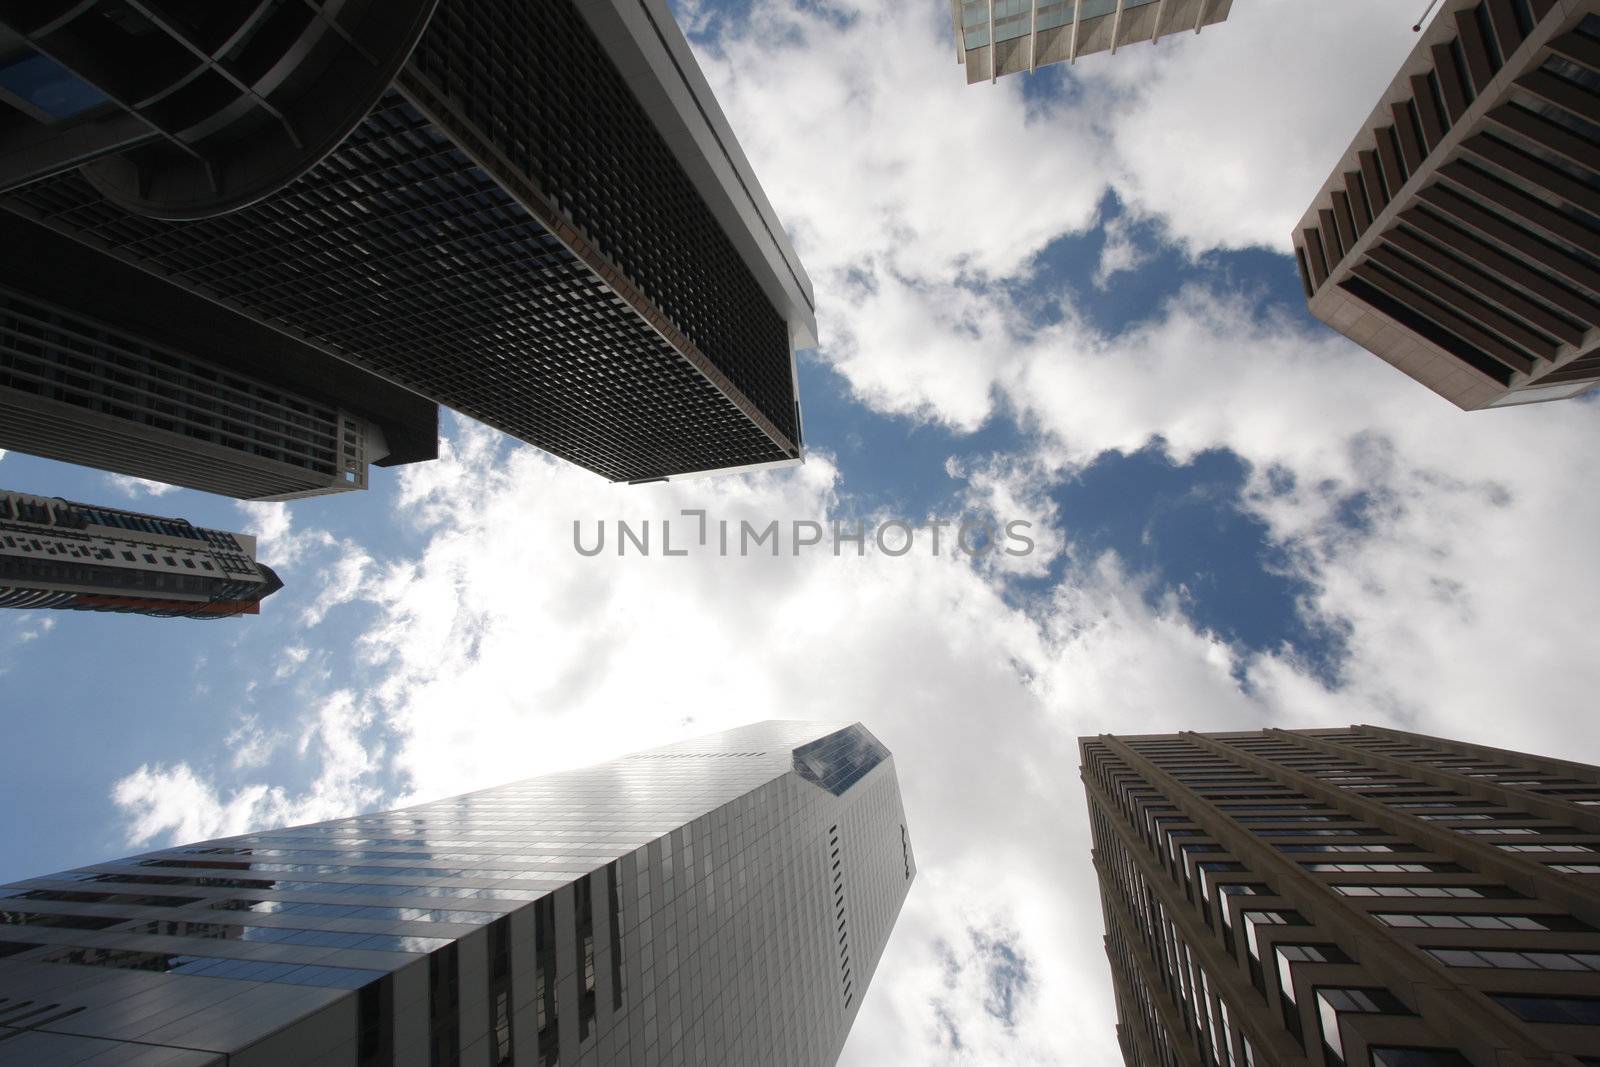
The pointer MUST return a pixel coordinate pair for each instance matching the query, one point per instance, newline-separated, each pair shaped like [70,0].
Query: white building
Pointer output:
[1035,33]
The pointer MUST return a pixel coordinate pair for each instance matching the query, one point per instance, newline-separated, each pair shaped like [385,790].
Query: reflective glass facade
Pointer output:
[700,903]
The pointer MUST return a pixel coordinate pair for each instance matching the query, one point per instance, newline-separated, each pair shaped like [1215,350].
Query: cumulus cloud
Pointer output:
[1121,253]
[251,743]
[137,487]
[179,803]
[37,628]
[341,564]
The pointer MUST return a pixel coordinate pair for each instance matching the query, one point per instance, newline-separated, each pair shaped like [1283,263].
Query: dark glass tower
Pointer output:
[719,901]
[1360,896]
[534,213]
[78,557]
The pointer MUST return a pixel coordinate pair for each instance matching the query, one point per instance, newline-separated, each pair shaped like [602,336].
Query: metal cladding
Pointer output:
[1346,896]
[512,231]
[196,109]
[1029,34]
[1459,238]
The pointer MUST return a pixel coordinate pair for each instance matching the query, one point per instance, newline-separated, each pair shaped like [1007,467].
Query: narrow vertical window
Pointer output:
[500,998]
[583,909]
[544,947]
[614,906]
[444,1007]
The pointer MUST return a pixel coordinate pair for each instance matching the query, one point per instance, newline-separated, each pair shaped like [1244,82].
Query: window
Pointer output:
[1456,891]
[1576,868]
[1546,848]
[1386,868]
[1465,921]
[1210,867]
[1516,961]
[1238,889]
[1333,1003]
[1346,848]
[215,967]
[1418,1057]
[1568,1011]
[69,921]
[1252,921]
[1288,956]
[289,936]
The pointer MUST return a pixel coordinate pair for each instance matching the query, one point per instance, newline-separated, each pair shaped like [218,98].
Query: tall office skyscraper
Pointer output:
[1459,236]
[57,554]
[534,213]
[1035,33]
[718,901]
[1357,896]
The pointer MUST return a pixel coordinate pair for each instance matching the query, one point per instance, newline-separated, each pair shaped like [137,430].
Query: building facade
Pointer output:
[1029,34]
[719,901]
[1358,896]
[80,557]
[1459,236]
[535,214]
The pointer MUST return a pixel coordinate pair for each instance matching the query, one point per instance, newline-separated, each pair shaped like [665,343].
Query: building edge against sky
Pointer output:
[720,900]
[1457,237]
[1037,33]
[1361,896]
[81,557]
[608,281]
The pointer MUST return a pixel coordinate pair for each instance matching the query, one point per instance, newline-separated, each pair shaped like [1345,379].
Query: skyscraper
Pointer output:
[1347,896]
[1458,236]
[719,901]
[79,557]
[535,214]
[99,366]
[1035,33]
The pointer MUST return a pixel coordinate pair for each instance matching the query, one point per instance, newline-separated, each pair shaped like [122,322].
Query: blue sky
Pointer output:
[1063,298]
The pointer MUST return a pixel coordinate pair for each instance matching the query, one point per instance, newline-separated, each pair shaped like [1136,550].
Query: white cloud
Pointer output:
[42,625]
[137,487]
[338,566]
[1229,135]
[1121,253]
[178,803]
[252,744]
[277,542]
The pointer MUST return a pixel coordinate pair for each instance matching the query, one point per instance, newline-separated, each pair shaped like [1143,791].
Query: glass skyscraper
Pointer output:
[723,900]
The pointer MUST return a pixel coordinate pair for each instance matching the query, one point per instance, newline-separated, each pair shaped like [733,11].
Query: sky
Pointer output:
[1065,299]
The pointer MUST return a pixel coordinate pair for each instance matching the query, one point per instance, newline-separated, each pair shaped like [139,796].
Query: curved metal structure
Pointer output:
[189,109]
